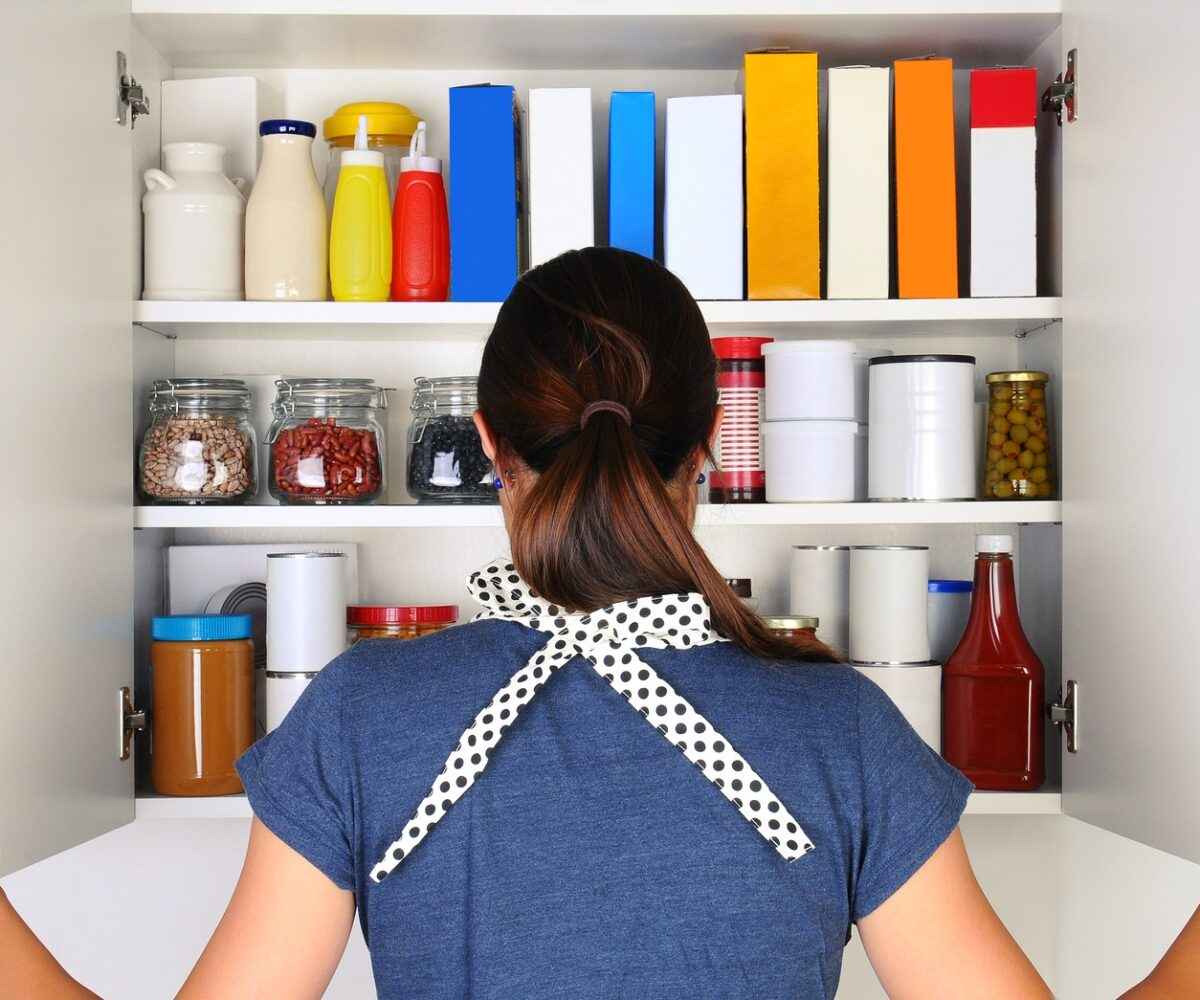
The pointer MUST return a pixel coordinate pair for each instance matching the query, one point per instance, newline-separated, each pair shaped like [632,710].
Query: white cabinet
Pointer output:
[1111,583]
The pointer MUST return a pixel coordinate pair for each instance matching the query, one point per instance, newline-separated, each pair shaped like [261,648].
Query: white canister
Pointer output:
[193,226]
[815,460]
[283,691]
[819,585]
[812,380]
[949,607]
[888,616]
[306,610]
[916,690]
[922,418]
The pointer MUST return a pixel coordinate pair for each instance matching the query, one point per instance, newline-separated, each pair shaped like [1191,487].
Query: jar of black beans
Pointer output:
[446,463]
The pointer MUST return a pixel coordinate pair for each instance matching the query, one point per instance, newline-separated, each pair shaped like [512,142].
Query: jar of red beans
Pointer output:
[398,621]
[327,442]
[739,476]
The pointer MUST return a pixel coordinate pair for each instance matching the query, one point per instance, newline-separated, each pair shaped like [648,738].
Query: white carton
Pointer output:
[561,213]
[703,228]
[1003,212]
[859,190]
[221,109]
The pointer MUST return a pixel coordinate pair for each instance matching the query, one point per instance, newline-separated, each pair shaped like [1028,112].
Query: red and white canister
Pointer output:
[739,476]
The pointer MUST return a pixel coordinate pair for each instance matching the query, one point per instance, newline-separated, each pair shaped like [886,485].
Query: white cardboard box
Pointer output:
[703,228]
[1003,212]
[859,183]
[561,213]
[221,109]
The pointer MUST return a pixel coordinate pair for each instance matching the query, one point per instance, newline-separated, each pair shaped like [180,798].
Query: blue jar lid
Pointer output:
[287,126]
[950,586]
[200,628]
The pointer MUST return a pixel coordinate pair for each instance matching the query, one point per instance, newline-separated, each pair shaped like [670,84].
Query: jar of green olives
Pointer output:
[1018,442]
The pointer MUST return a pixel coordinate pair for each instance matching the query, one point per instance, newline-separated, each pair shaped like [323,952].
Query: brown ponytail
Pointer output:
[599,524]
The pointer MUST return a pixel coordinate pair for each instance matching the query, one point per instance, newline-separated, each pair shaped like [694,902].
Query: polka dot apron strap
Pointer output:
[608,639]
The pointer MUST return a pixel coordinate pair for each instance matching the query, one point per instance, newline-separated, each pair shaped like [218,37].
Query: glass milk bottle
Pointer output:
[286,238]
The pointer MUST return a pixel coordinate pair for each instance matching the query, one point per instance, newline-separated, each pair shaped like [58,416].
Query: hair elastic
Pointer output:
[604,404]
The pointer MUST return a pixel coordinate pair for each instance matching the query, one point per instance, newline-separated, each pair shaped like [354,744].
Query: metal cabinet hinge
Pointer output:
[131,99]
[1065,713]
[129,720]
[1061,94]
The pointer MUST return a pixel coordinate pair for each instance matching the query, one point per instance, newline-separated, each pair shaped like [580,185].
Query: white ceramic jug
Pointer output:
[193,230]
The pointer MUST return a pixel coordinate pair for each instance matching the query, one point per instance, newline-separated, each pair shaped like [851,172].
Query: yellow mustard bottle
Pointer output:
[360,238]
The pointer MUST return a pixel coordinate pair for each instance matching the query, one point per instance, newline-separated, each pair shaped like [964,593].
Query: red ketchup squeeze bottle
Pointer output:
[420,228]
[993,684]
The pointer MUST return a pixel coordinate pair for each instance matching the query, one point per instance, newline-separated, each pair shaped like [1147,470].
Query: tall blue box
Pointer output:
[485,192]
[631,171]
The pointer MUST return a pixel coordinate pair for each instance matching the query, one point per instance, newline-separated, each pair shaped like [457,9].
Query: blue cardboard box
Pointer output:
[631,171]
[485,192]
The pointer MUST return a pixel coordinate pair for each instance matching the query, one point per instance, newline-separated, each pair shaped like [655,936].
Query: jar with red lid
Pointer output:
[398,621]
[738,475]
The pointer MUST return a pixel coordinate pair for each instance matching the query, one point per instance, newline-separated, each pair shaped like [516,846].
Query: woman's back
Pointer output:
[591,858]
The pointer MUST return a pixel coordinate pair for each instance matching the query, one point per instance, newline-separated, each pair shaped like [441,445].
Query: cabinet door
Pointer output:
[1131,471]
[66,260]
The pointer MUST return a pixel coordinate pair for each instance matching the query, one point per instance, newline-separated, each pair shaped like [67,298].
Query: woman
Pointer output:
[616,782]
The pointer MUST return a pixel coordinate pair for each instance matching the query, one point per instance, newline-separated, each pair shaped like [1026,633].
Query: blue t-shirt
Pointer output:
[590,859]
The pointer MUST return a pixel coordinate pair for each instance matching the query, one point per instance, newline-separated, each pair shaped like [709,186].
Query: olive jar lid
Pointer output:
[995,377]
[170,395]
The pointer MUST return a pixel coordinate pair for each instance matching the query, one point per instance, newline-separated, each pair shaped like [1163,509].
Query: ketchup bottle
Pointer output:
[420,228]
[993,684]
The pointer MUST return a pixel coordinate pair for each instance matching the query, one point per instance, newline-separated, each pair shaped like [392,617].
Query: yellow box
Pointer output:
[783,190]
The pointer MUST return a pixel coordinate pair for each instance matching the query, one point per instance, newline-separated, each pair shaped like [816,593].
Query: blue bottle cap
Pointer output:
[287,126]
[950,586]
[199,628]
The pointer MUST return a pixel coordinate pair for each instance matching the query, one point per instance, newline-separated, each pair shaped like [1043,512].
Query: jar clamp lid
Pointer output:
[170,395]
[995,377]
[200,628]
[446,392]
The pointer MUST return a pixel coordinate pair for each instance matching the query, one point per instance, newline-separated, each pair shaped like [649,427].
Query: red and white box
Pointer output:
[1003,182]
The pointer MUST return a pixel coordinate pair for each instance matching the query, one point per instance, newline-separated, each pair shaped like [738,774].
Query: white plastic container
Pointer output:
[287,238]
[809,461]
[306,610]
[948,607]
[193,226]
[922,416]
[916,690]
[819,585]
[283,691]
[888,614]
[812,380]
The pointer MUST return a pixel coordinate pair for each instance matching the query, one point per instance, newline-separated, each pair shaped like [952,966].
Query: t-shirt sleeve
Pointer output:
[297,780]
[912,799]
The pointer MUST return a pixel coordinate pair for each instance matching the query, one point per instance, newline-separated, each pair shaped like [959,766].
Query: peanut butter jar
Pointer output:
[202,716]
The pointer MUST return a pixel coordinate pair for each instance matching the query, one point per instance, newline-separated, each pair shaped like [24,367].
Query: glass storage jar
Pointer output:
[1019,443]
[327,441]
[398,621]
[200,446]
[446,463]
[793,628]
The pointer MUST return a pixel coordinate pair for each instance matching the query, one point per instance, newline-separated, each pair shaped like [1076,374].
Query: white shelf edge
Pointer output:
[483,314]
[581,8]
[708,515]
[1045,803]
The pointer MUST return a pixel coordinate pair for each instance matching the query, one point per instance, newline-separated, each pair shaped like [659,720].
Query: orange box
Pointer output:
[783,211]
[926,227]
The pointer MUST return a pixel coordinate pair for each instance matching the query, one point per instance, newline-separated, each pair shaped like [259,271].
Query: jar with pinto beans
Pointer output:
[327,441]
[200,445]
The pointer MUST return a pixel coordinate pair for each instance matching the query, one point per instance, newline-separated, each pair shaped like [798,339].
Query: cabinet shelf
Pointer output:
[709,515]
[150,806]
[472,320]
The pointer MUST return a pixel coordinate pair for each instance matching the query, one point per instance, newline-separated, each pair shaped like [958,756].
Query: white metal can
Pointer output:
[815,461]
[283,691]
[306,609]
[922,419]
[820,587]
[812,380]
[888,616]
[916,690]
